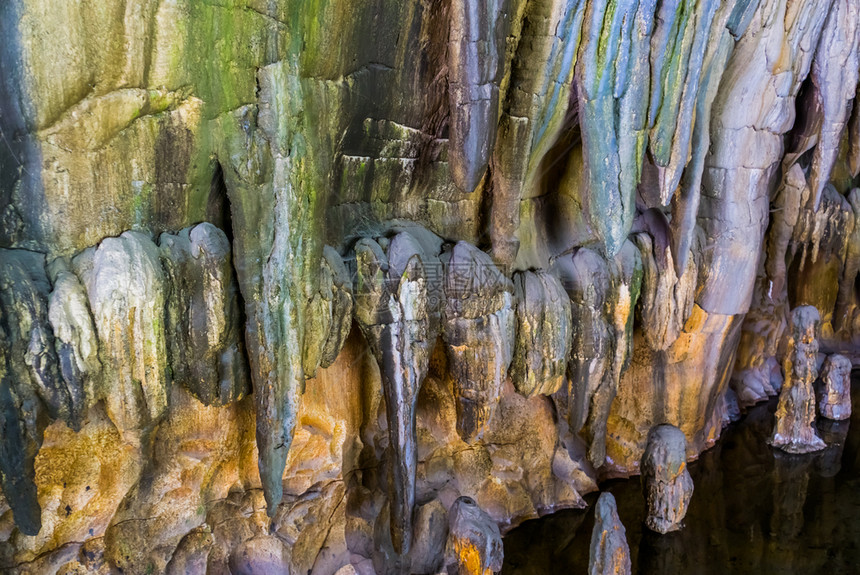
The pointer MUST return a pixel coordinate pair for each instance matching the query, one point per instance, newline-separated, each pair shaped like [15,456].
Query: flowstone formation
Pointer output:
[282,282]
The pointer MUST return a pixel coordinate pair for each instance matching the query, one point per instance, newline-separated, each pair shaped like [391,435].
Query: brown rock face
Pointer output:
[610,554]
[666,480]
[794,429]
[835,402]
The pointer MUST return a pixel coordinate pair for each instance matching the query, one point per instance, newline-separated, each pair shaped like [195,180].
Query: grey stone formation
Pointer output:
[429,539]
[476,47]
[474,543]
[609,552]
[794,429]
[204,333]
[392,309]
[835,400]
[479,334]
[543,331]
[126,291]
[666,480]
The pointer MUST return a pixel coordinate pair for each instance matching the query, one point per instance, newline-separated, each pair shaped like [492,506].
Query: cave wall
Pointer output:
[454,247]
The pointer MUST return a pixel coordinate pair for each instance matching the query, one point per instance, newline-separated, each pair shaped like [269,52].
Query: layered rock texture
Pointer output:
[666,481]
[794,430]
[304,286]
[835,401]
[609,552]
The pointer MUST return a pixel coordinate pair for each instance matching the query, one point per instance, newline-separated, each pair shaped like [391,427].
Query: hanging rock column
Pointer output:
[795,415]
[666,480]
[204,335]
[544,331]
[479,334]
[835,402]
[392,309]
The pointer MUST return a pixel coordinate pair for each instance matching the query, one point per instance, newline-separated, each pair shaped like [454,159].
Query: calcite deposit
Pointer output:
[609,553]
[284,285]
[794,429]
[835,399]
[666,481]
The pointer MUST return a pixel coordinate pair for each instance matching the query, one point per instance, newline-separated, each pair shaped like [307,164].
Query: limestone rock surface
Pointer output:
[794,429]
[835,402]
[666,480]
[609,553]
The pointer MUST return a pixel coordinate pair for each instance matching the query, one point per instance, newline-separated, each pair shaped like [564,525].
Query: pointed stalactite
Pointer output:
[633,104]
[543,331]
[275,190]
[588,283]
[602,77]
[679,44]
[204,333]
[533,113]
[834,76]
[476,49]
[479,334]
[126,291]
[393,311]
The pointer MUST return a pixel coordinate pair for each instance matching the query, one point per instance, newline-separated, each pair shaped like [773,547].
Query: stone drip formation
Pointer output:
[459,261]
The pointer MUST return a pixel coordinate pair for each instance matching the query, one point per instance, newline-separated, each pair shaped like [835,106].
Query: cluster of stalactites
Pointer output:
[117,324]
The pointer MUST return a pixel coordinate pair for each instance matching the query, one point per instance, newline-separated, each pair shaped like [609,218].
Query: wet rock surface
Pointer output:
[479,334]
[602,212]
[794,431]
[392,308]
[609,551]
[474,543]
[835,401]
[666,480]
